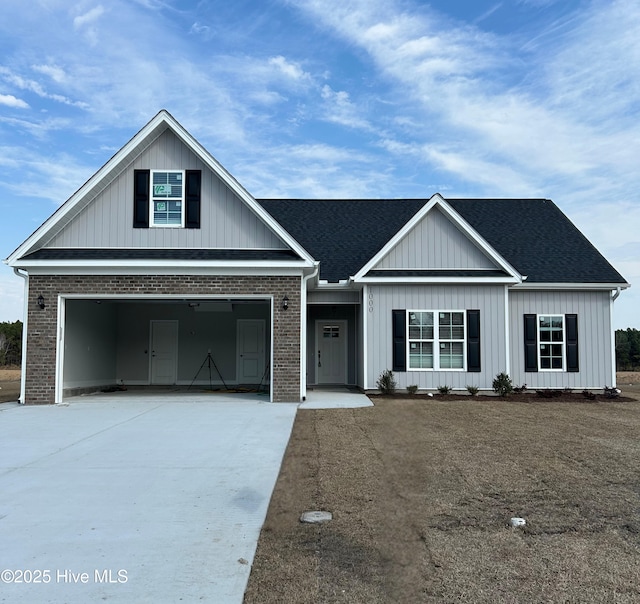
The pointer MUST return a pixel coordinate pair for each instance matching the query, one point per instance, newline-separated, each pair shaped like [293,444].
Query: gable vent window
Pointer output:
[167,198]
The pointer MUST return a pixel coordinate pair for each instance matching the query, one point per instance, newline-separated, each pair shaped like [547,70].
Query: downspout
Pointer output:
[23,360]
[614,297]
[303,331]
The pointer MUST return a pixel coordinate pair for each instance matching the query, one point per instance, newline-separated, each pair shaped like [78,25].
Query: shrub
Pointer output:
[412,389]
[502,384]
[444,389]
[386,382]
[472,390]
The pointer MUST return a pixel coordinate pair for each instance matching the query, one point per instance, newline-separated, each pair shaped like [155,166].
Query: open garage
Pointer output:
[213,343]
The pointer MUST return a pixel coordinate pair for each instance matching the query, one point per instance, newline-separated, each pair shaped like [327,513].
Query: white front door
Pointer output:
[251,353]
[331,360]
[164,352]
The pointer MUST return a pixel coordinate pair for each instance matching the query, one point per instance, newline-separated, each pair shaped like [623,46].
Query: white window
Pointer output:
[436,339]
[167,198]
[551,342]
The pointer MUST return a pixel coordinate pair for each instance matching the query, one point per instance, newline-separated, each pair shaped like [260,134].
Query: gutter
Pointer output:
[615,295]
[23,361]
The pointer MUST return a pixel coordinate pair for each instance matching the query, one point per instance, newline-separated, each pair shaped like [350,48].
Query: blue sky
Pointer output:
[334,98]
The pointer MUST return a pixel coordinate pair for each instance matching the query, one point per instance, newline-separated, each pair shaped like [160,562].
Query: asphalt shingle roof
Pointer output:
[533,235]
[342,234]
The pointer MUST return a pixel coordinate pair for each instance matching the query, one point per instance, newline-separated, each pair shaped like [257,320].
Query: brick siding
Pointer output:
[42,324]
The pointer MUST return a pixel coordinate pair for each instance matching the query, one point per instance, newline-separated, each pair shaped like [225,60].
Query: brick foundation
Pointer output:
[42,324]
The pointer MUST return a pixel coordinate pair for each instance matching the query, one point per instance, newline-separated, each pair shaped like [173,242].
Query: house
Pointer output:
[163,270]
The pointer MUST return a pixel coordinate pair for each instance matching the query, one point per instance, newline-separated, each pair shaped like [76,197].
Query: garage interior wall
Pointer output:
[108,343]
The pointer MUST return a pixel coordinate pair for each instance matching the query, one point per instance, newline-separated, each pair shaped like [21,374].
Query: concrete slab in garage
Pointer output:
[135,501]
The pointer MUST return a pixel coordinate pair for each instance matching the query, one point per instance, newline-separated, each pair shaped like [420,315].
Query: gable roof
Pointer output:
[532,235]
[120,162]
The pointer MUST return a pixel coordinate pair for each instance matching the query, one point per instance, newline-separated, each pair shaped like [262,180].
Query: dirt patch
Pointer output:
[9,384]
[422,492]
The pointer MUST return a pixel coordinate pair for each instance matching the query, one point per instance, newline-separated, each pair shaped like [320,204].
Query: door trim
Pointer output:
[344,324]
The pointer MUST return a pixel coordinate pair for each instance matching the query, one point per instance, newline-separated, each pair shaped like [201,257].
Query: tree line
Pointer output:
[627,346]
[10,343]
[627,349]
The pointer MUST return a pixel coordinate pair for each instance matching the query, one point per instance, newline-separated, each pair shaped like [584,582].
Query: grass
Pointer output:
[422,492]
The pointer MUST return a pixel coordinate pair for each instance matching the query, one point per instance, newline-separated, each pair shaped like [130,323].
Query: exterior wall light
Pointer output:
[40,302]
[285,303]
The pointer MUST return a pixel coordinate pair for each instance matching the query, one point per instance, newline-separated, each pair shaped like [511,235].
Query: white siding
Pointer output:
[435,243]
[490,300]
[594,337]
[226,221]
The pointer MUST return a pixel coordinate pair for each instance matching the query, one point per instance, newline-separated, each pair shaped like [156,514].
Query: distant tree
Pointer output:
[11,343]
[627,349]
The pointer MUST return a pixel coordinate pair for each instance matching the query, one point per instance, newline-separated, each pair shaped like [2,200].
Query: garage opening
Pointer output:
[177,344]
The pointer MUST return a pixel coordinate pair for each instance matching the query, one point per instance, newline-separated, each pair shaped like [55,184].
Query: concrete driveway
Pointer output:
[140,500]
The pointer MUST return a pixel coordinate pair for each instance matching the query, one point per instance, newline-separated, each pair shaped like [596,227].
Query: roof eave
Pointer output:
[507,280]
[573,285]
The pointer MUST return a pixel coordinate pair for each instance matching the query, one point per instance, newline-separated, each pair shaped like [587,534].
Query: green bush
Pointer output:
[412,389]
[472,390]
[444,389]
[386,382]
[502,385]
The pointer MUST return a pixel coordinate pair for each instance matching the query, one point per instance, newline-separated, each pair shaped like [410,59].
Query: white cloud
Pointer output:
[89,17]
[54,178]
[57,74]
[11,101]
[289,69]
[340,110]
[86,24]
[201,30]
[30,85]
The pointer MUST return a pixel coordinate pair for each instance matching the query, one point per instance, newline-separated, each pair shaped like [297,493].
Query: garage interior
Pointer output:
[200,344]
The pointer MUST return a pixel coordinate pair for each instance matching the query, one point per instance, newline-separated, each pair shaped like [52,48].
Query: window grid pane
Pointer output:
[421,355]
[167,197]
[436,349]
[551,334]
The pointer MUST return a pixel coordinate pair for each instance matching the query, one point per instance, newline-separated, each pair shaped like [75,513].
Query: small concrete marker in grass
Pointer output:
[316,517]
[517,522]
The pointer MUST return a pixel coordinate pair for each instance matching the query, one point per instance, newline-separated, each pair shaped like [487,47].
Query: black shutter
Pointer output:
[399,321]
[571,325]
[192,195]
[530,343]
[141,199]
[473,340]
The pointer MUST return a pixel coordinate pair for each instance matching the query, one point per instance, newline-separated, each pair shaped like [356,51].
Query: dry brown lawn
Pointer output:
[9,384]
[422,492]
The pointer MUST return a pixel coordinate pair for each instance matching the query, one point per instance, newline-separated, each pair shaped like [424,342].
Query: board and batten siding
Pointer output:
[226,221]
[435,243]
[382,299]
[596,367]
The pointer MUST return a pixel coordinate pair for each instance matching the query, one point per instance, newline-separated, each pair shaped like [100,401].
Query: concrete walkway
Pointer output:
[136,500]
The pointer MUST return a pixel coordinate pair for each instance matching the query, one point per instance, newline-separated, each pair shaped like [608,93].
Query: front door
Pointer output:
[251,353]
[164,352]
[331,361]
